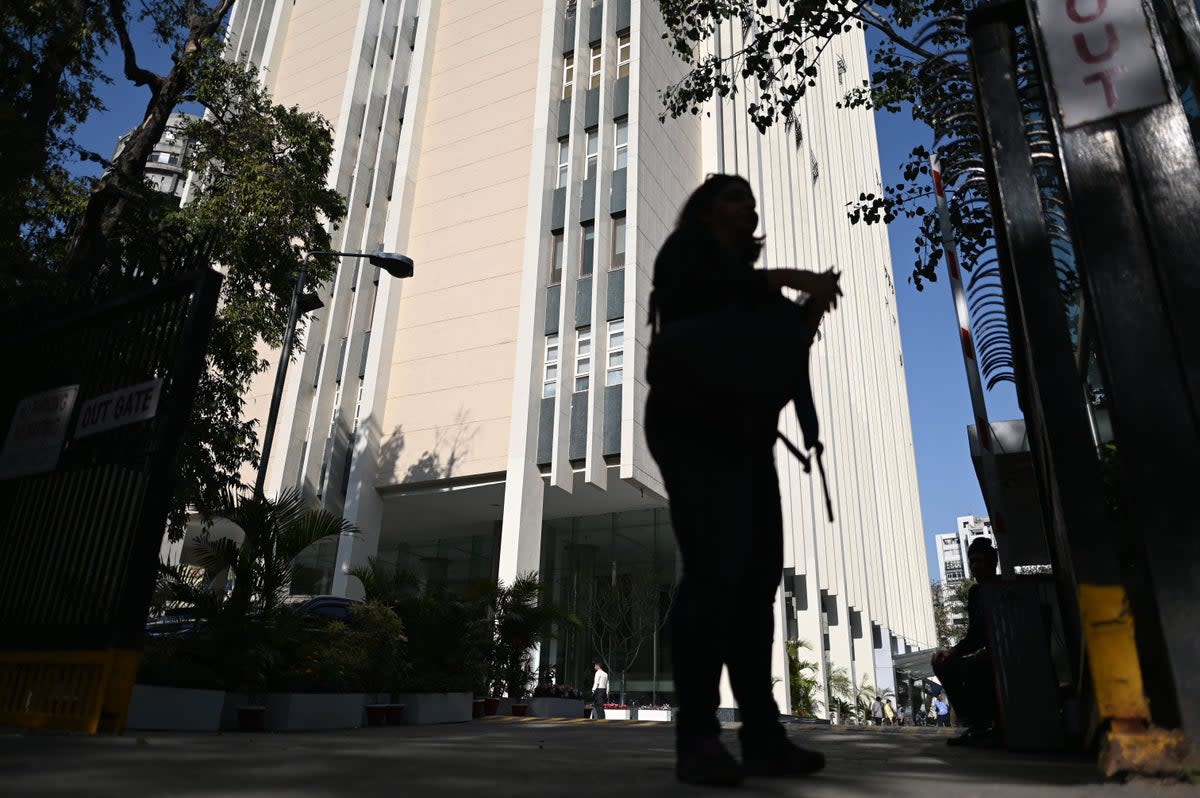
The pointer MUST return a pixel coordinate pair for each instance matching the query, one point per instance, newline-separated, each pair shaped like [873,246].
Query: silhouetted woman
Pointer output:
[727,354]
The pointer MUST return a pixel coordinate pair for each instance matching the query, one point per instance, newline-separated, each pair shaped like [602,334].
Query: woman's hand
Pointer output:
[822,287]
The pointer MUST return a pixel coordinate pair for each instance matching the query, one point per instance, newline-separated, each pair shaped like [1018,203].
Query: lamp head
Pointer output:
[394,264]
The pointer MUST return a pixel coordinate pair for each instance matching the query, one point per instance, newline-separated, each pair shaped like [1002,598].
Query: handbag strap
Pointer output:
[818,449]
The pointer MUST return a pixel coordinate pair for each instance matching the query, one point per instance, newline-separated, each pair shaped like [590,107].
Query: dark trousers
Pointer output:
[719,470]
[970,686]
[598,699]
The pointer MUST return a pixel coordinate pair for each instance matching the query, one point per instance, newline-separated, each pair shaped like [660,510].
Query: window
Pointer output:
[568,81]
[550,370]
[623,55]
[564,159]
[616,352]
[583,358]
[556,259]
[161,157]
[586,248]
[618,244]
[841,69]
[594,81]
[621,145]
[593,149]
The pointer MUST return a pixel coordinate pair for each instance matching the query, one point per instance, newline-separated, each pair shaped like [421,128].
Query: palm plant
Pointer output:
[275,532]
[840,690]
[802,680]
[522,615]
[386,584]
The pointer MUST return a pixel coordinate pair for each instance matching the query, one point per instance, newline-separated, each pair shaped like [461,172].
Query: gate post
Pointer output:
[1133,175]
[1055,408]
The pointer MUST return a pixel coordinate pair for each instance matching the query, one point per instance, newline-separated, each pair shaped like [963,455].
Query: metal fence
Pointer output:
[94,406]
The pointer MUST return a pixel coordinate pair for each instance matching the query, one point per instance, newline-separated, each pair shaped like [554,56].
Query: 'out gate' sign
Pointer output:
[1102,58]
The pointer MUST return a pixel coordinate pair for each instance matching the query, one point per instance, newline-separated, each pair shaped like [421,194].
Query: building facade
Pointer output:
[164,167]
[953,569]
[485,417]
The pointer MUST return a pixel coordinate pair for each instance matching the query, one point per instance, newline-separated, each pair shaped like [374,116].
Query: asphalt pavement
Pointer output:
[521,757]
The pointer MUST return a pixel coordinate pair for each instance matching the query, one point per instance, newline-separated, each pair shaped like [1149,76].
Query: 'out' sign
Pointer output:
[108,411]
[1102,58]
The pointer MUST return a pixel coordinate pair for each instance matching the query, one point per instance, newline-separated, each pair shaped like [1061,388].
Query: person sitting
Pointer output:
[965,670]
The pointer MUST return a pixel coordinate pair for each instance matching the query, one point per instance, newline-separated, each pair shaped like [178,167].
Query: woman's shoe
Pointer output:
[708,764]
[781,759]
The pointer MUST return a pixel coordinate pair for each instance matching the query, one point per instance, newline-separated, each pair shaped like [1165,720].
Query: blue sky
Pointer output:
[937,387]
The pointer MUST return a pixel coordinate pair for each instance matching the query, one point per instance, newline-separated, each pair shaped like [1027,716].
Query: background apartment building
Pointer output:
[484,418]
[953,569]
[164,165]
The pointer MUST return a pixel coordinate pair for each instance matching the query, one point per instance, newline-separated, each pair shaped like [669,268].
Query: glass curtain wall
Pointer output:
[453,563]
[617,573]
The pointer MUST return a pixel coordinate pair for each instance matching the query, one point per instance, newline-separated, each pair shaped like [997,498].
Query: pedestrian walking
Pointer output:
[877,711]
[599,691]
[889,712]
[712,312]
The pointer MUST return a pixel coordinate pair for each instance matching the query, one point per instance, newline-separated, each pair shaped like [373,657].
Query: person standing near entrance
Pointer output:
[717,386]
[599,691]
[942,706]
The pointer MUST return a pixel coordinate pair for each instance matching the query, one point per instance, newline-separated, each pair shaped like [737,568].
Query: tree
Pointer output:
[780,59]
[622,615]
[259,202]
[942,624]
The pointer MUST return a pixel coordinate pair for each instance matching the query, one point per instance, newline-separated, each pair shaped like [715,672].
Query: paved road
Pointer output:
[527,757]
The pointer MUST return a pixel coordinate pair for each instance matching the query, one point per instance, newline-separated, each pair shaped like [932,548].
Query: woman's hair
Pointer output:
[699,205]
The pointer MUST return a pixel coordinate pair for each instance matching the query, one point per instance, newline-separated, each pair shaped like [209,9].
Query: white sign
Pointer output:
[108,411]
[1102,58]
[36,434]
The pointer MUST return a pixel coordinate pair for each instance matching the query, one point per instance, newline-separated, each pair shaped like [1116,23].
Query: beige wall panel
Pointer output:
[443,452]
[316,56]
[451,374]
[459,302]
[458,406]
[447,335]
[501,110]
[463,28]
[450,217]
[510,141]
[460,369]
[494,257]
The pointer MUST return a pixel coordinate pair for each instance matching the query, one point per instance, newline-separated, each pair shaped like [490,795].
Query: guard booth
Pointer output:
[1088,120]
[95,403]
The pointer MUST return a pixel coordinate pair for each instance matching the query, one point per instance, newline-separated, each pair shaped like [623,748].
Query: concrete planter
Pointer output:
[654,714]
[425,708]
[174,709]
[556,707]
[310,711]
[616,714]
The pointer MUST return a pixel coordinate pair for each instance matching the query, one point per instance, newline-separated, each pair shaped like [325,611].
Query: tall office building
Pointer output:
[485,417]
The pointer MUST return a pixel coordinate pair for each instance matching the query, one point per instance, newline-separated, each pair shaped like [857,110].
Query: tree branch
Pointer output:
[870,16]
[135,73]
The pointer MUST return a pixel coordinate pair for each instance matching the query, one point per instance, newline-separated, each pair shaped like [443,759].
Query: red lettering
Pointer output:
[1105,77]
[1076,16]
[1085,52]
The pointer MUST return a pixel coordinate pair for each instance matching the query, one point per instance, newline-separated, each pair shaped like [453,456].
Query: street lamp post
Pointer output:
[399,266]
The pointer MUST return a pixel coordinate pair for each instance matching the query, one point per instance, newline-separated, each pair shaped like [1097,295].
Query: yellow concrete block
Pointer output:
[1108,633]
